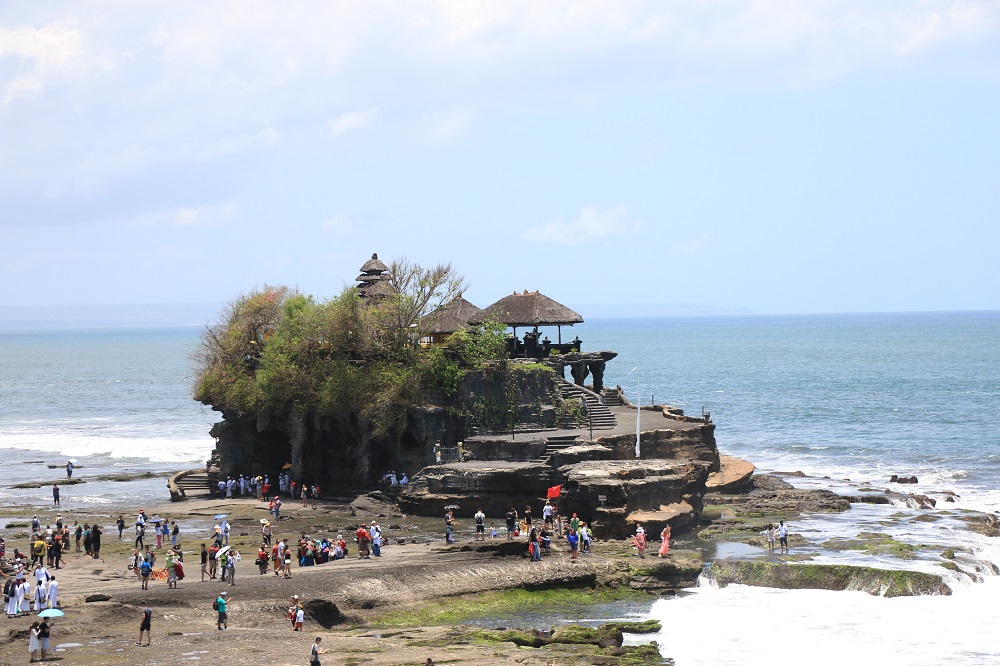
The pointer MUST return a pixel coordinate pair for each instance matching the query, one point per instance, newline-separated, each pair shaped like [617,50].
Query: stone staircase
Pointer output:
[600,417]
[612,398]
[195,484]
[554,444]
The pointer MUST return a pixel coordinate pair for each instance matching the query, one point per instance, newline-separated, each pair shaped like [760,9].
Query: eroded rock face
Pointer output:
[687,443]
[493,486]
[628,486]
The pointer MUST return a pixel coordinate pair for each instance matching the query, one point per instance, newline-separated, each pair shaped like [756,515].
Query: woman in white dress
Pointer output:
[34,645]
[22,594]
[39,597]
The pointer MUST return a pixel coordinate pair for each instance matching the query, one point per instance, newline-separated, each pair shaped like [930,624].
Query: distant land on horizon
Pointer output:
[153,315]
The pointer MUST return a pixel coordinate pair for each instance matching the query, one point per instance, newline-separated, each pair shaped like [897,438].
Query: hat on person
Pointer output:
[373,522]
[223,593]
[295,596]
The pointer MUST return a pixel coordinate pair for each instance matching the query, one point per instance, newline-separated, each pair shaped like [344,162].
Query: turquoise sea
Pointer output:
[854,398]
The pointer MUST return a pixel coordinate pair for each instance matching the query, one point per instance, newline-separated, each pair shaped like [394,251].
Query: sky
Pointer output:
[769,156]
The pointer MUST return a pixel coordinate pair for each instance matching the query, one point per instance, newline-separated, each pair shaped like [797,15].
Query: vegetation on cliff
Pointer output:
[276,350]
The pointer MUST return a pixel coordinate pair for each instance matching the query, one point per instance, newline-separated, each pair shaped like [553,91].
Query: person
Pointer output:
[157,528]
[527,516]
[95,540]
[140,532]
[480,525]
[22,593]
[121,526]
[204,562]
[213,561]
[262,558]
[173,534]
[429,662]
[783,537]
[55,494]
[300,616]
[39,597]
[234,557]
[171,561]
[404,479]
[376,535]
[145,625]
[145,571]
[316,652]
[584,535]
[265,532]
[69,469]
[43,639]
[363,538]
[449,526]
[770,534]
[34,644]
[77,534]
[277,508]
[547,515]
[53,597]
[511,523]
[221,605]
[639,541]
[665,541]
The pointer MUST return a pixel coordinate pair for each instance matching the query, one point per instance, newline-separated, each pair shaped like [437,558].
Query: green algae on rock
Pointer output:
[879,582]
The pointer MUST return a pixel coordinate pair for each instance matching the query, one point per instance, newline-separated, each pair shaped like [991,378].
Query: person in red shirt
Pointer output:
[364,538]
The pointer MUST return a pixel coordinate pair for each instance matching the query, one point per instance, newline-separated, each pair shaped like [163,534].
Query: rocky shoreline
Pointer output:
[417,599]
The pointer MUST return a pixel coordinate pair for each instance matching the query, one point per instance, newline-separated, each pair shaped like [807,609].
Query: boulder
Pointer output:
[902,479]
[605,493]
[733,476]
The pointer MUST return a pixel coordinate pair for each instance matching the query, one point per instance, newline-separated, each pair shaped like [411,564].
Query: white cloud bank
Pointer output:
[591,225]
[352,120]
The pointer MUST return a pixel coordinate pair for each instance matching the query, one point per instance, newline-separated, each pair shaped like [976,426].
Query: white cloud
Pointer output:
[446,127]
[342,224]
[591,225]
[186,216]
[692,246]
[353,120]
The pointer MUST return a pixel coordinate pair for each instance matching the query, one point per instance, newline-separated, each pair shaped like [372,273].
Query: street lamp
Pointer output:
[638,404]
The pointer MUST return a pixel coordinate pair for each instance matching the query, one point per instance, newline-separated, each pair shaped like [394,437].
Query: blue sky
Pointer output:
[829,156]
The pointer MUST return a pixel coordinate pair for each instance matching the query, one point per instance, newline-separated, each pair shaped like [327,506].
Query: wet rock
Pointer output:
[877,582]
[769,482]
[902,479]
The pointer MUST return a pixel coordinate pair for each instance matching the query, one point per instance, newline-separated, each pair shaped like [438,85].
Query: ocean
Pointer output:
[846,399]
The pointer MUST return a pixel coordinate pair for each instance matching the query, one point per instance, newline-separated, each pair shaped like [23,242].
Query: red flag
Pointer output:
[554,492]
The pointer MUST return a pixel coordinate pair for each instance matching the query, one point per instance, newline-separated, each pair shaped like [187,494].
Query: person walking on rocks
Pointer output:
[121,526]
[316,652]
[783,537]
[376,535]
[222,606]
[664,541]
[146,625]
[511,523]
[55,494]
[204,562]
[639,541]
[480,525]
[449,526]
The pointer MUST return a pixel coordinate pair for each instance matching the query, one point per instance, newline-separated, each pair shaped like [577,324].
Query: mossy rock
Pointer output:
[642,627]
[604,636]
[879,582]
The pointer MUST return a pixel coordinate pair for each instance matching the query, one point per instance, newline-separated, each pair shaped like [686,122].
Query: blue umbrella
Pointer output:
[220,516]
[51,612]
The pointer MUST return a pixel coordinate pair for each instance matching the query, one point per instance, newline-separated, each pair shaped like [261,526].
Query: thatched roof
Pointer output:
[529,309]
[376,289]
[451,317]
[373,265]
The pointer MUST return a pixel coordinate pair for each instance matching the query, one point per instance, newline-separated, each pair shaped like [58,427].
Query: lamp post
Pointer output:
[638,405]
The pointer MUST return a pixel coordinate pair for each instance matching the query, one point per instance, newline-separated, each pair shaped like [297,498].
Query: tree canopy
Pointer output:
[276,349]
